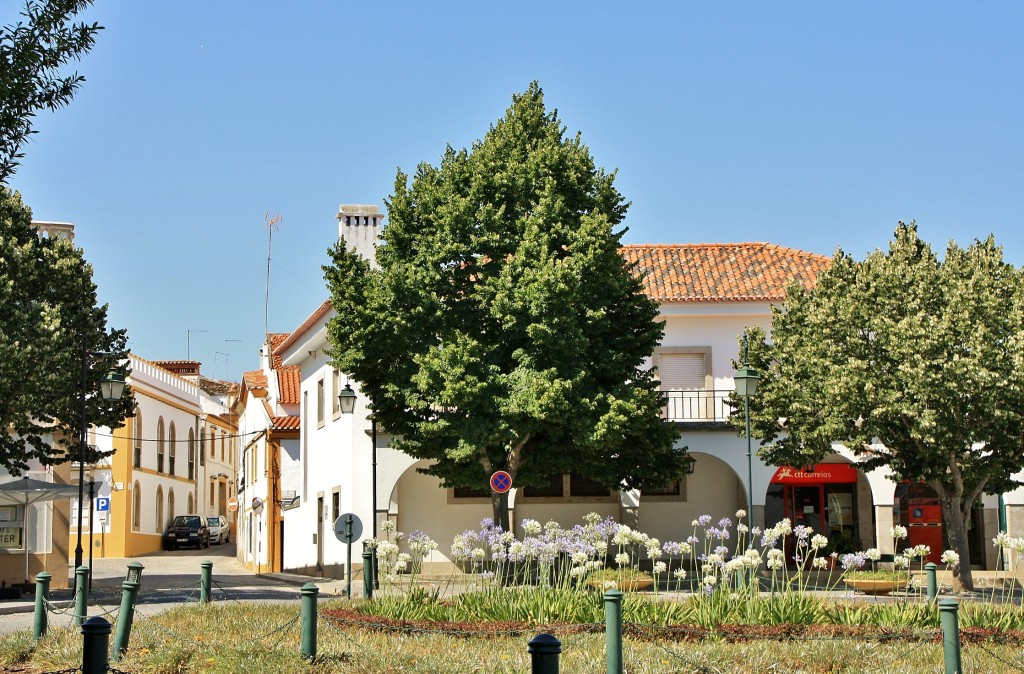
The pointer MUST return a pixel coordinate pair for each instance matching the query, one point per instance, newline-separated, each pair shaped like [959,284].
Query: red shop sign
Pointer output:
[823,473]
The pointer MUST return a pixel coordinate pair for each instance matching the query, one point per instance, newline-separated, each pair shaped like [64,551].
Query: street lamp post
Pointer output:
[111,388]
[746,379]
[347,403]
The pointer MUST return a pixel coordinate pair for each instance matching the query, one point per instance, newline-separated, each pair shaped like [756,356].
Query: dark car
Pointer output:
[187,530]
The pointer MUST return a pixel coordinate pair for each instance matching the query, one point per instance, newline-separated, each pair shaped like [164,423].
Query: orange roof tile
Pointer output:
[276,339]
[716,272]
[289,384]
[289,423]
[255,379]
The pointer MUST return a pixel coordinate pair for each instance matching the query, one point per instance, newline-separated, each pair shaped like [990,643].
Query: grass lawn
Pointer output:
[254,638]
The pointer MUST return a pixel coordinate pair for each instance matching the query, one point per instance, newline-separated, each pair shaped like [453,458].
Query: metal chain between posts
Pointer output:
[1019,665]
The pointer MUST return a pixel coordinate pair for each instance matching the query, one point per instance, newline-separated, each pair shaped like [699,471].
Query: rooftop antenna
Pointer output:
[227,366]
[188,343]
[270,222]
[215,354]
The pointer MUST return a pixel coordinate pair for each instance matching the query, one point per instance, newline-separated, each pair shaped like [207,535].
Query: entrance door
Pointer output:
[320,534]
[807,507]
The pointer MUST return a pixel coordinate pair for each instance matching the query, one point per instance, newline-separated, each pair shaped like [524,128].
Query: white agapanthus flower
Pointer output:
[901,561]
[679,574]
[951,558]
[622,559]
[873,554]
[659,568]
[818,542]
[898,532]
[740,514]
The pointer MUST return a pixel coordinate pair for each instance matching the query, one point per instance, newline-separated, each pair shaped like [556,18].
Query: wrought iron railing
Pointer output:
[696,406]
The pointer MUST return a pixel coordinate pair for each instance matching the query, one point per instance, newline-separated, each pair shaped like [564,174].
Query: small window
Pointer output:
[581,485]
[320,402]
[555,488]
[471,492]
[674,490]
[336,389]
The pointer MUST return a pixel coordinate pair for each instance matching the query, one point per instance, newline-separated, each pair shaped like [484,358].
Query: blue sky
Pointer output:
[807,124]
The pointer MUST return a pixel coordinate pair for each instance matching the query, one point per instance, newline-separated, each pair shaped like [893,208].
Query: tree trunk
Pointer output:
[956,521]
[499,507]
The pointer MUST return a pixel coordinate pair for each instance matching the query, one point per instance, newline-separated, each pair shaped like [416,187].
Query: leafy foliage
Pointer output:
[32,53]
[48,315]
[500,328]
[912,362]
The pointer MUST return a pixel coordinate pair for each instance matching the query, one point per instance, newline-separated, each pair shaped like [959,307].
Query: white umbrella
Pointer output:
[26,491]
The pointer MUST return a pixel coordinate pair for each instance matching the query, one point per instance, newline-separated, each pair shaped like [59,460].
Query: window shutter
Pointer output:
[681,371]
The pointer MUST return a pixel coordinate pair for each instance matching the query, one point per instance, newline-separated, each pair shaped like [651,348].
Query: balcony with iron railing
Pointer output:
[696,406]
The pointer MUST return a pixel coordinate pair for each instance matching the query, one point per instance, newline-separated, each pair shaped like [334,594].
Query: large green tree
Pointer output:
[49,322]
[500,328]
[911,361]
[33,53]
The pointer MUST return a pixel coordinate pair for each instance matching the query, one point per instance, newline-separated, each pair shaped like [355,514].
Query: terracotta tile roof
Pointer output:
[716,272]
[289,382]
[180,367]
[314,319]
[255,379]
[290,423]
[276,339]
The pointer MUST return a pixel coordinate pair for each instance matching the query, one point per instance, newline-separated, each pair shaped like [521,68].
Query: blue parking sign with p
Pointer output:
[102,504]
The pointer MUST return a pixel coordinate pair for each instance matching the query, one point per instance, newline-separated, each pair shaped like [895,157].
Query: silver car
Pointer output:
[219,530]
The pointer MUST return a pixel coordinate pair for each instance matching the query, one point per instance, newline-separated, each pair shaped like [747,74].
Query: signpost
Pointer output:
[102,504]
[348,528]
[501,481]
[232,504]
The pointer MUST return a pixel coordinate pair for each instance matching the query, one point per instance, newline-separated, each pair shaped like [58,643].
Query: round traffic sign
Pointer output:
[232,504]
[348,528]
[501,481]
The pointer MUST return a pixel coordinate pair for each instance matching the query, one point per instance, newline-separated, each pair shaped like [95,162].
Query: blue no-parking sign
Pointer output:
[102,504]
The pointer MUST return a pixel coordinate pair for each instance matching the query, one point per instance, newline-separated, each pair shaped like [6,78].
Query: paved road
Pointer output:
[169,579]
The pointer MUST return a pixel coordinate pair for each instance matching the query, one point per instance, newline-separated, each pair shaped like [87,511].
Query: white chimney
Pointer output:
[359,227]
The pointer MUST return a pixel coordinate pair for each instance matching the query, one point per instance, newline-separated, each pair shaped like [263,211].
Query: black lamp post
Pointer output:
[746,379]
[111,388]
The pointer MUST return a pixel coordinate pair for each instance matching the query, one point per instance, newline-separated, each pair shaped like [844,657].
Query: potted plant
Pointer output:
[873,580]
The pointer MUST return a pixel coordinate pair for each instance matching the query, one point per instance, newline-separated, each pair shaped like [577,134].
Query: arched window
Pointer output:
[191,503]
[136,506]
[223,439]
[191,454]
[160,509]
[137,449]
[170,505]
[160,445]
[213,443]
[172,447]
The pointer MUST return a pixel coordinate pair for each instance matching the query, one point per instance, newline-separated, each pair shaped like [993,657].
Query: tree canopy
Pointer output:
[48,319]
[912,362]
[500,328]
[32,55]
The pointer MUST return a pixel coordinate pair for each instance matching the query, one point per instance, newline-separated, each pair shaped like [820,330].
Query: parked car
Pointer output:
[187,530]
[219,530]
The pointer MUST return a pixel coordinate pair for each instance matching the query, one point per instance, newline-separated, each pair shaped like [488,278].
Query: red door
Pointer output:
[924,527]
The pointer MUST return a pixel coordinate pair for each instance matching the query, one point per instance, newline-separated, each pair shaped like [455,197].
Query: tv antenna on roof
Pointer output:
[188,343]
[271,222]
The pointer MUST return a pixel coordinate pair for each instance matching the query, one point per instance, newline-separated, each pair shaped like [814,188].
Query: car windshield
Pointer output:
[182,520]
[215,521]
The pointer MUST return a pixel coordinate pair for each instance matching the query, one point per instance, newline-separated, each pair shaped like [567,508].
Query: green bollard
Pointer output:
[308,594]
[129,591]
[81,595]
[205,581]
[950,635]
[544,650]
[95,638]
[42,595]
[932,581]
[367,571]
[613,630]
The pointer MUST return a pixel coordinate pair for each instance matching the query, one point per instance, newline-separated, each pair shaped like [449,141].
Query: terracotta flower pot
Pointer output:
[626,584]
[877,586]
